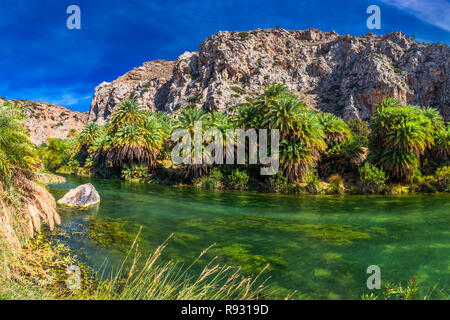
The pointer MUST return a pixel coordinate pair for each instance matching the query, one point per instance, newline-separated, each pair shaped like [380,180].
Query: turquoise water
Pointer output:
[320,246]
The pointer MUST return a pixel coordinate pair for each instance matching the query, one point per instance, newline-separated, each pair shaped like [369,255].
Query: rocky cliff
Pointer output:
[45,120]
[345,75]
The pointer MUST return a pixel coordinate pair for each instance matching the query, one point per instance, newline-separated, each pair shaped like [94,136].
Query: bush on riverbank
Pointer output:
[373,180]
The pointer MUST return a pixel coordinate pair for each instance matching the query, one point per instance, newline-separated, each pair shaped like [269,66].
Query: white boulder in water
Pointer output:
[81,197]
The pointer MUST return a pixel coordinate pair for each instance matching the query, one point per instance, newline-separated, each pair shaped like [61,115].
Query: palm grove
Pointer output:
[319,152]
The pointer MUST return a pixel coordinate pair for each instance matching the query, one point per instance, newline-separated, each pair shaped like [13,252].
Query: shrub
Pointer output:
[134,172]
[312,182]
[360,130]
[278,182]
[427,184]
[217,175]
[56,153]
[439,182]
[417,175]
[74,165]
[238,179]
[373,180]
[336,184]
[237,89]
[212,181]
[204,183]
[243,35]
[443,178]
[293,189]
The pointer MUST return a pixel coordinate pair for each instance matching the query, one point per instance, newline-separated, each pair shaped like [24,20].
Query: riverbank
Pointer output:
[335,185]
[31,267]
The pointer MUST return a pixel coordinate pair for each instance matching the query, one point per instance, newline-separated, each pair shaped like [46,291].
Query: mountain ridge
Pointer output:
[343,74]
[47,120]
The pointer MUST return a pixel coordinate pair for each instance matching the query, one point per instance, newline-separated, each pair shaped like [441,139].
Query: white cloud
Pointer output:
[69,100]
[435,12]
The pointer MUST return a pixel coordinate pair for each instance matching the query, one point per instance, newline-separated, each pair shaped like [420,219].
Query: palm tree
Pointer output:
[154,135]
[271,93]
[283,115]
[128,112]
[137,144]
[343,157]
[186,120]
[90,133]
[188,117]
[301,150]
[129,145]
[16,150]
[247,116]
[435,117]
[399,137]
[220,120]
[441,148]
[335,129]
[296,159]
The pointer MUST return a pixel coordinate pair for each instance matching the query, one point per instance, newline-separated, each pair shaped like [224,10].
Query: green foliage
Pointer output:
[214,180]
[57,153]
[16,151]
[344,157]
[443,178]
[238,179]
[135,172]
[373,180]
[244,35]
[248,116]
[400,140]
[90,133]
[277,182]
[137,142]
[237,89]
[439,182]
[400,136]
[360,131]
[74,165]
[336,184]
[128,112]
[427,184]
[313,182]
[335,129]
[397,292]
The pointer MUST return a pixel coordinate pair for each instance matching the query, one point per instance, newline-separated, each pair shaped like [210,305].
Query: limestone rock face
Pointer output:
[146,84]
[46,120]
[345,75]
[81,197]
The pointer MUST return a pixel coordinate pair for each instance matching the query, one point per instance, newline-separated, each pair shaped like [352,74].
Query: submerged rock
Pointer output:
[82,197]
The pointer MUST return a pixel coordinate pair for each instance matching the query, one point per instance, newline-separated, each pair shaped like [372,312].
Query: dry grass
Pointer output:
[154,280]
[24,206]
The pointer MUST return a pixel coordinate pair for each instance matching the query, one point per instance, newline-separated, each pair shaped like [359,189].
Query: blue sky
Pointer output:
[43,60]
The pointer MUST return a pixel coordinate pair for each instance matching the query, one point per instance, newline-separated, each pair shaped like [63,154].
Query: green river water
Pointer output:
[320,246]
